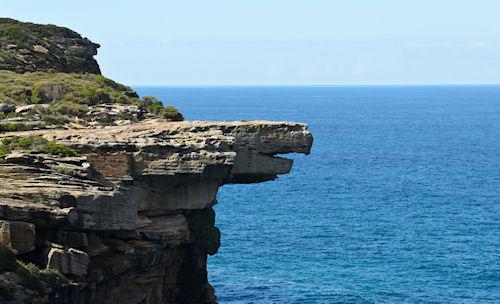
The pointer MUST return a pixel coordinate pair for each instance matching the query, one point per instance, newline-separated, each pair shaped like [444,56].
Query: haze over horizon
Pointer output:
[283,42]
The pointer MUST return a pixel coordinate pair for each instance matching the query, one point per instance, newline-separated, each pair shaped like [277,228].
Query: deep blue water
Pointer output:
[399,201]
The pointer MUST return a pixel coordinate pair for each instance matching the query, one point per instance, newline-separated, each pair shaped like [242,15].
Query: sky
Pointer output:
[353,42]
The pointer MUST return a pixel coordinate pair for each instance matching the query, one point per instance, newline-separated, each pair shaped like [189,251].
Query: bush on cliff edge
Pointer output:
[171,113]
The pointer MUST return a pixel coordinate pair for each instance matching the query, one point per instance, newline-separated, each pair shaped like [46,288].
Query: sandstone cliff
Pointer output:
[120,212]
[28,47]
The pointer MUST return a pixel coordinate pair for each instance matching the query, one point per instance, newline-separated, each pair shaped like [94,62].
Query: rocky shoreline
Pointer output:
[122,212]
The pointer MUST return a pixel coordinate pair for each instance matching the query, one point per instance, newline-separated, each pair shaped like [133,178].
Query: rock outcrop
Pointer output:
[105,197]
[130,218]
[29,47]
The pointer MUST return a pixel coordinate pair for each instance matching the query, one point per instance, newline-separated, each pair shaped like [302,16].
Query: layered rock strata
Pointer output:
[130,218]
[104,196]
[29,47]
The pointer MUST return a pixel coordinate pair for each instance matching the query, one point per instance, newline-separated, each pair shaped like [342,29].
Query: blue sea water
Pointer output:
[399,201]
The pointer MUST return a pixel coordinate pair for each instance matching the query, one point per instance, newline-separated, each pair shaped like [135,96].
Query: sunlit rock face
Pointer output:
[105,197]
[130,218]
[28,47]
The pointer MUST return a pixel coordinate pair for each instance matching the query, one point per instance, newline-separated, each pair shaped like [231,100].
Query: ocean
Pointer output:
[398,202]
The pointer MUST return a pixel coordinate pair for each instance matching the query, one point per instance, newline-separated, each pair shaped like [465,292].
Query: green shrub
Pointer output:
[121,99]
[28,274]
[171,113]
[35,92]
[92,96]
[14,33]
[80,88]
[106,82]
[60,150]
[12,127]
[35,279]
[52,277]
[12,115]
[69,108]
[54,120]
[7,259]
[127,116]
[149,100]
[153,105]
[155,108]
[35,143]
[64,170]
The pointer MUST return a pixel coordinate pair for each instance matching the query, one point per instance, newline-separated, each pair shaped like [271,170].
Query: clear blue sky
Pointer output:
[283,41]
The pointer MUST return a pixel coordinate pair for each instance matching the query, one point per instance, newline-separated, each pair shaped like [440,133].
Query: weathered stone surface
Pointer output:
[72,239]
[49,48]
[52,91]
[136,204]
[172,229]
[18,236]
[151,168]
[23,109]
[130,219]
[5,238]
[12,286]
[95,246]
[68,261]
[7,108]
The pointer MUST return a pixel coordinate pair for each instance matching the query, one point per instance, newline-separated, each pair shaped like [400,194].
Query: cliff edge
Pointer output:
[29,47]
[117,210]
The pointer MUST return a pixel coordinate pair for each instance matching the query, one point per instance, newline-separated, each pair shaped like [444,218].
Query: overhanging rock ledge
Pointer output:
[130,218]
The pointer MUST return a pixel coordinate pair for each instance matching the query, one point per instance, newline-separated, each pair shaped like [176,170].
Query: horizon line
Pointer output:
[312,85]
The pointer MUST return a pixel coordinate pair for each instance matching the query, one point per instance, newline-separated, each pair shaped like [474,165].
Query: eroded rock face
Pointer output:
[18,236]
[68,261]
[126,216]
[29,47]
[131,218]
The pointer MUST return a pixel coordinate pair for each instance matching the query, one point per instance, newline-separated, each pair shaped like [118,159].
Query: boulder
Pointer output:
[49,92]
[5,233]
[23,109]
[7,108]
[18,236]
[40,49]
[68,261]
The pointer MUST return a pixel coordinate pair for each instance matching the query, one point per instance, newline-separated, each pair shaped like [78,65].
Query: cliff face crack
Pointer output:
[135,208]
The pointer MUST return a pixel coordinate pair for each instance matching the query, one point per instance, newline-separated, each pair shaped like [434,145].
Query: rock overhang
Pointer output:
[150,168]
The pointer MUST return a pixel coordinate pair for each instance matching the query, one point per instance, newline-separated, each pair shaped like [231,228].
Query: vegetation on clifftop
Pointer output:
[28,47]
[57,99]
[49,79]
[35,143]
[40,87]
